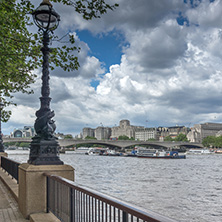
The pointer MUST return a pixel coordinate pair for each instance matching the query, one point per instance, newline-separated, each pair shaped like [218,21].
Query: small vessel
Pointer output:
[199,151]
[218,151]
[159,154]
[96,151]
[112,153]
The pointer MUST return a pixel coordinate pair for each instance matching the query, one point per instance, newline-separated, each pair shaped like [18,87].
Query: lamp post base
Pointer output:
[44,152]
[2,149]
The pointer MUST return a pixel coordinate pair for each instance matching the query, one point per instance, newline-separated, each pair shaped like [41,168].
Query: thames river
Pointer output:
[183,189]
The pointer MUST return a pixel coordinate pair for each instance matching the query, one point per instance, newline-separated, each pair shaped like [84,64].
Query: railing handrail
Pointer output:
[143,214]
[10,166]
[11,160]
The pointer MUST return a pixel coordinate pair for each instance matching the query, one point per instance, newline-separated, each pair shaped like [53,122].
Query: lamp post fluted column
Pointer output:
[44,148]
[1,141]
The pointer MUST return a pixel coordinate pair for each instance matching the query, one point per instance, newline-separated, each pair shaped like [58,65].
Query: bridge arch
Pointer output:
[118,143]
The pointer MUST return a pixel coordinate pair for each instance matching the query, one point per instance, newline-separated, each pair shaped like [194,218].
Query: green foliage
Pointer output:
[88,8]
[24,145]
[168,138]
[68,136]
[17,144]
[9,144]
[20,52]
[123,137]
[151,139]
[181,137]
[212,141]
[90,138]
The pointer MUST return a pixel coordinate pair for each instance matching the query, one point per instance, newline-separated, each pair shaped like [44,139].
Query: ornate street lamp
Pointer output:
[1,141]
[44,148]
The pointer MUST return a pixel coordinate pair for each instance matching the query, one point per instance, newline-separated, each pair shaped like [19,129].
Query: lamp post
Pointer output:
[44,148]
[1,141]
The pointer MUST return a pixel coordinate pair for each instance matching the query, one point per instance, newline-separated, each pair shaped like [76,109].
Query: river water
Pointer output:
[183,189]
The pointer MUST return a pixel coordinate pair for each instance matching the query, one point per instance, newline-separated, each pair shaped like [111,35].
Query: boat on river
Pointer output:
[218,151]
[96,151]
[159,154]
[200,151]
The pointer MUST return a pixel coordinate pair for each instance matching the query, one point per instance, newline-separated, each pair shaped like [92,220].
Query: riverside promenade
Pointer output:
[9,210]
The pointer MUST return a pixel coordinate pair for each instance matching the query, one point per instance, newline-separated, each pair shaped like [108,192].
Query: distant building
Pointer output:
[124,129]
[219,133]
[200,131]
[102,133]
[27,131]
[138,132]
[172,131]
[79,136]
[146,134]
[88,132]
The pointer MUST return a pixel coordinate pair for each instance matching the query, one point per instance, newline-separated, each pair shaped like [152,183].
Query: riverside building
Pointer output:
[172,131]
[146,134]
[88,132]
[124,129]
[102,133]
[200,131]
[27,131]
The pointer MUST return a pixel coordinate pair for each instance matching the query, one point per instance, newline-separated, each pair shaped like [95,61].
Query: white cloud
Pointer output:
[207,14]
[168,74]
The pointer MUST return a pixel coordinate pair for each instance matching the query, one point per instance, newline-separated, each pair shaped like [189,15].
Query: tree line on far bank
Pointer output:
[212,141]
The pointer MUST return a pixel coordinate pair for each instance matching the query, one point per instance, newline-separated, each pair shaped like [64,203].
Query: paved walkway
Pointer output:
[9,211]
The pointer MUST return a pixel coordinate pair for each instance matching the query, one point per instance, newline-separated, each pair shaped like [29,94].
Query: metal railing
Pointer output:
[10,166]
[71,203]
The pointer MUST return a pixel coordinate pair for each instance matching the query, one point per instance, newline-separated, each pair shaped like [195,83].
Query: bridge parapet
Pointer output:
[113,143]
[18,139]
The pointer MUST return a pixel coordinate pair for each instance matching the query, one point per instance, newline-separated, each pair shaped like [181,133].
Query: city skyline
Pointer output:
[144,61]
[110,126]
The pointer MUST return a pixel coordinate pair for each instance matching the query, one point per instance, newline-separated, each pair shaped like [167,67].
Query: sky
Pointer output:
[155,63]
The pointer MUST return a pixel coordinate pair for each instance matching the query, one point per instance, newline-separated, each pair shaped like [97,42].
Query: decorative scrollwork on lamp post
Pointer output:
[44,148]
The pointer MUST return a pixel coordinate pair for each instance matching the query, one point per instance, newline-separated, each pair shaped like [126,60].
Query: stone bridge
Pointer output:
[116,143]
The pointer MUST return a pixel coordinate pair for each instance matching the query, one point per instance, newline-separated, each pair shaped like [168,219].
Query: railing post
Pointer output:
[32,186]
[71,205]
[47,194]
[125,216]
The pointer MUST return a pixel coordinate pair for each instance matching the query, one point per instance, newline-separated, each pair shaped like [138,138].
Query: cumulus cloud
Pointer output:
[206,14]
[168,74]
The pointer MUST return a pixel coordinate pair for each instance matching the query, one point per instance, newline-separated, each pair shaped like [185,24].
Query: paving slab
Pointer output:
[9,211]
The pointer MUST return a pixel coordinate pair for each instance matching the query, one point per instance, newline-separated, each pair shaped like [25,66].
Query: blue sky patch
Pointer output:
[107,47]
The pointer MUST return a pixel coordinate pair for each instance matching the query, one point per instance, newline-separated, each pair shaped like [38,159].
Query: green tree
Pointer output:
[168,138]
[218,142]
[24,145]
[68,136]
[181,137]
[20,49]
[151,139]
[90,138]
[209,141]
[212,141]
[123,137]
[10,144]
